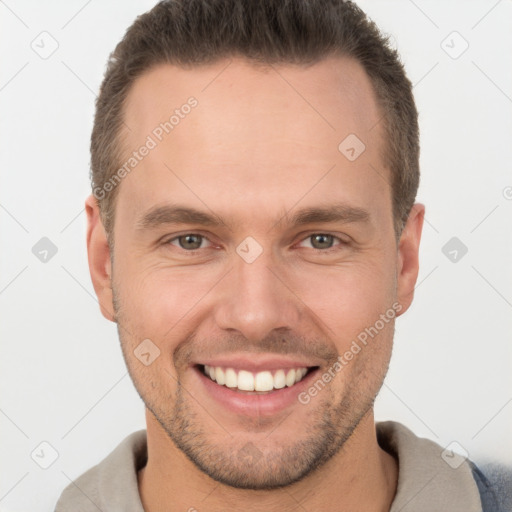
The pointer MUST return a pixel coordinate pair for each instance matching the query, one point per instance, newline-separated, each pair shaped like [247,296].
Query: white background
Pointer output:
[63,376]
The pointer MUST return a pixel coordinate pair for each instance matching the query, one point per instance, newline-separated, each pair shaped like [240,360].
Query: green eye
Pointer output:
[188,242]
[321,241]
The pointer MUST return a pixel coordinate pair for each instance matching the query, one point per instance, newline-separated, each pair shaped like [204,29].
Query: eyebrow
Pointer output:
[176,214]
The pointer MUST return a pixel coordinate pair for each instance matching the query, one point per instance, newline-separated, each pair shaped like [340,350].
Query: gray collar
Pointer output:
[425,481]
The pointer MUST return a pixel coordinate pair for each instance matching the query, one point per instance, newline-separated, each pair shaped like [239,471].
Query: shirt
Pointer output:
[427,477]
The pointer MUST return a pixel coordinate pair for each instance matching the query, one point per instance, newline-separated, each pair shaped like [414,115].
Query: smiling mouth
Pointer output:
[263,382]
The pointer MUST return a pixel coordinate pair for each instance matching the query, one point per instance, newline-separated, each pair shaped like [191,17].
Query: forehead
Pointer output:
[252,130]
[332,95]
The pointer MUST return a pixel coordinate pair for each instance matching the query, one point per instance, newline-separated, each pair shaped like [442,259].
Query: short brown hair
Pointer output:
[195,32]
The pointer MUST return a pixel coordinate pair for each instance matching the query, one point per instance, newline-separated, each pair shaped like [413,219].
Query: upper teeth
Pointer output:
[260,381]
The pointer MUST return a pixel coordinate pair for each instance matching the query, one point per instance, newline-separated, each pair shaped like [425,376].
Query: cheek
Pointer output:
[159,301]
[158,304]
[152,316]
[348,298]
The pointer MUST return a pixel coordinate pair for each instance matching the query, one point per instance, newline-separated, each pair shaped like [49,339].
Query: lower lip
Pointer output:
[255,405]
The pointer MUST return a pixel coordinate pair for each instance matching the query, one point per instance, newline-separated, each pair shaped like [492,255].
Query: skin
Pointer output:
[252,152]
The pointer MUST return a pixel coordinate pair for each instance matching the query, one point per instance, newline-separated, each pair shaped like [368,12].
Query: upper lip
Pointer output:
[257,362]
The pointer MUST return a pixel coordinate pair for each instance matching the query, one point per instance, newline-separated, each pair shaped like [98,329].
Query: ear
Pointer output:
[99,258]
[408,256]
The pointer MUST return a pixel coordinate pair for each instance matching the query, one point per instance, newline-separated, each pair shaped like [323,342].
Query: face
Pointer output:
[251,253]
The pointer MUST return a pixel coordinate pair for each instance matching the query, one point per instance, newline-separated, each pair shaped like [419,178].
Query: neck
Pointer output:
[360,477]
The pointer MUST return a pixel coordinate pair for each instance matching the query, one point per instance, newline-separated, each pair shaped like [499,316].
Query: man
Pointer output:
[253,233]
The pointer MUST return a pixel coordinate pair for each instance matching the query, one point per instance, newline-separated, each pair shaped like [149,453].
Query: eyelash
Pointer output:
[323,251]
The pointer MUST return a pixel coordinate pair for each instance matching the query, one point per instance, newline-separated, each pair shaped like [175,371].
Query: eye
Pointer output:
[189,241]
[323,241]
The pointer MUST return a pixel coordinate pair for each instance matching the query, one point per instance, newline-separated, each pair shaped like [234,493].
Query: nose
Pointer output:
[256,299]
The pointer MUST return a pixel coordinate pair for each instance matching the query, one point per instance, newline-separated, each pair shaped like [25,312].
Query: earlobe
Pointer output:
[408,256]
[98,252]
